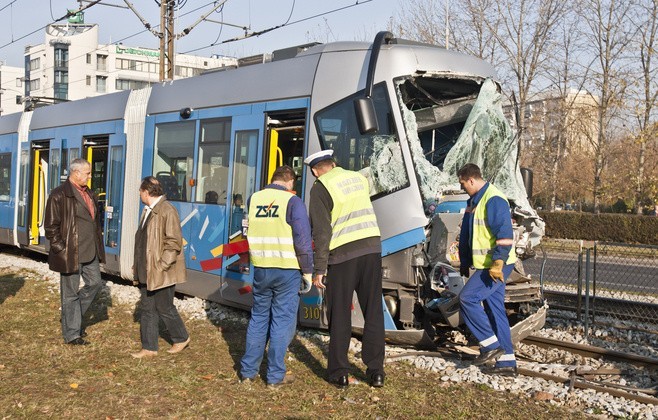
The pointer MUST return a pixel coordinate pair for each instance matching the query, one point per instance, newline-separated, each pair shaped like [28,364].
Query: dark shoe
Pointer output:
[342,381]
[501,370]
[488,356]
[287,380]
[247,381]
[83,333]
[377,380]
[78,342]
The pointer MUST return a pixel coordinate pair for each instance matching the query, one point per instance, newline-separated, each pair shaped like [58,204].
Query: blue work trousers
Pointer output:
[483,310]
[76,300]
[273,319]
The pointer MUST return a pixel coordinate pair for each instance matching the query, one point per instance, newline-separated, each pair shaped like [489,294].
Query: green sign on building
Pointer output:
[76,17]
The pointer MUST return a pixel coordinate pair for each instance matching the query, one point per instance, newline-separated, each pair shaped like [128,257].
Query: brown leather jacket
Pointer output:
[62,232]
[165,260]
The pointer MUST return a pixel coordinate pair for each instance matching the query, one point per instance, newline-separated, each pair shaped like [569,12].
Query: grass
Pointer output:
[40,377]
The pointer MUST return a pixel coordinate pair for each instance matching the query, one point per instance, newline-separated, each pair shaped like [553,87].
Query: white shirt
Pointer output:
[148,209]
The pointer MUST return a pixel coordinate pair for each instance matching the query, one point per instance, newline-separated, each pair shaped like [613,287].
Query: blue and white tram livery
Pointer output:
[404,114]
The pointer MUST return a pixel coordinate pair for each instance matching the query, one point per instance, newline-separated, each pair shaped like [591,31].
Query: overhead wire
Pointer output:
[287,23]
[124,39]
[67,15]
[8,4]
[221,27]
[264,31]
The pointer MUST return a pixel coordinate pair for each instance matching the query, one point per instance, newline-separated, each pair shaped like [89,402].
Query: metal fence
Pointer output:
[603,283]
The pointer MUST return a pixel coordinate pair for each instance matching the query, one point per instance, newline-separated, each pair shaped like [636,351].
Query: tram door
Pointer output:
[255,156]
[236,270]
[95,151]
[38,191]
[285,144]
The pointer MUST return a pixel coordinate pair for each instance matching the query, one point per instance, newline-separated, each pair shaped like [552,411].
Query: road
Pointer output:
[637,276]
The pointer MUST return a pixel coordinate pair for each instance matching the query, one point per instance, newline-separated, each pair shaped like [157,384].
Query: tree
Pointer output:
[608,32]
[648,95]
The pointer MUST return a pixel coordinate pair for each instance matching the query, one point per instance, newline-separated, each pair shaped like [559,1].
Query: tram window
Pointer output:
[244,175]
[376,156]
[54,169]
[114,198]
[22,188]
[212,172]
[172,158]
[5,176]
[244,184]
[64,166]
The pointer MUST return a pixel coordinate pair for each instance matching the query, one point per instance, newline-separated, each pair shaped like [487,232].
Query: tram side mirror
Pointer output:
[366,116]
[526,174]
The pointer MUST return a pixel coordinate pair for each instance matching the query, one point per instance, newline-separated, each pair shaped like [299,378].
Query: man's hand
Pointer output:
[317,281]
[307,283]
[465,271]
[496,270]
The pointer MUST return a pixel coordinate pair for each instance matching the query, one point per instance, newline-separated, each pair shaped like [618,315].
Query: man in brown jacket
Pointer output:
[159,266]
[73,228]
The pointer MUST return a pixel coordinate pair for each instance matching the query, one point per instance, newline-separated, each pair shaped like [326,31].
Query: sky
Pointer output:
[307,21]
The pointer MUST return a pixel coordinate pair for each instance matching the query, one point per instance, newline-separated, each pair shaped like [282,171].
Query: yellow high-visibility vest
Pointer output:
[483,241]
[270,236]
[352,217]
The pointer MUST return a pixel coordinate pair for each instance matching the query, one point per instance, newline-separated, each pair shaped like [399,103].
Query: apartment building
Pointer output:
[71,65]
[11,89]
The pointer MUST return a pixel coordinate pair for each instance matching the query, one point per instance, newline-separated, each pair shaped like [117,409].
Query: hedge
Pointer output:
[605,227]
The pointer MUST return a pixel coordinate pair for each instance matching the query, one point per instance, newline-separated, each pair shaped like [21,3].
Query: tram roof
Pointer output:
[84,111]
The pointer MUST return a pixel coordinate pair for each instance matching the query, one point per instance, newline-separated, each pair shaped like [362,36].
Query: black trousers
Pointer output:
[363,275]
[159,305]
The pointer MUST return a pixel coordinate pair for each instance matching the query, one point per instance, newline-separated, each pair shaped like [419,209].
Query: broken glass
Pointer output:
[451,122]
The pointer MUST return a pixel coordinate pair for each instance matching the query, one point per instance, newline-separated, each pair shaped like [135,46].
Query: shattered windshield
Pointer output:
[451,122]
[376,156]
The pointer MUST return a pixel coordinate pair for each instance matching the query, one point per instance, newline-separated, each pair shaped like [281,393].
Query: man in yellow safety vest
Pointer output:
[486,243]
[348,255]
[281,252]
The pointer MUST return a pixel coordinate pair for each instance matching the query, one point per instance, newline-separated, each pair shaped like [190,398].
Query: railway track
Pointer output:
[592,352]
[581,377]
[603,306]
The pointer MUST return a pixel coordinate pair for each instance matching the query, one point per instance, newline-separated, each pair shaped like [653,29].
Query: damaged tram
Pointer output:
[405,115]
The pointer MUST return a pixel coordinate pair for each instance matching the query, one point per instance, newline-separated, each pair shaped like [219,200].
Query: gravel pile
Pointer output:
[560,363]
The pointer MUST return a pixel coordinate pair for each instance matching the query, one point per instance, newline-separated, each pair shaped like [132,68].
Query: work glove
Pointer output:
[496,270]
[465,271]
[307,282]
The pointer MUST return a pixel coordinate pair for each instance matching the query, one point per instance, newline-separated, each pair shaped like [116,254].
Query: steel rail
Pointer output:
[577,383]
[592,351]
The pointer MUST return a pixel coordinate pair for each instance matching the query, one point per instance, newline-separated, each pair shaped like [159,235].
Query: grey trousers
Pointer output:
[157,305]
[76,301]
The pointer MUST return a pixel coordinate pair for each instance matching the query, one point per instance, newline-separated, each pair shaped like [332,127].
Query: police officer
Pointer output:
[279,247]
[348,253]
[486,243]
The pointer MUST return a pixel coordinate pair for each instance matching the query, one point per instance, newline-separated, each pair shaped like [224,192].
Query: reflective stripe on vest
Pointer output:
[352,217]
[483,241]
[270,236]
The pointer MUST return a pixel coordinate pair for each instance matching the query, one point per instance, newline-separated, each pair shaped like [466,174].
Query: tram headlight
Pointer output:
[391,304]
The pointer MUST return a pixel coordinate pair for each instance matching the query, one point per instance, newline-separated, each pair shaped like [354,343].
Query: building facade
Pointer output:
[550,115]
[71,65]
[11,89]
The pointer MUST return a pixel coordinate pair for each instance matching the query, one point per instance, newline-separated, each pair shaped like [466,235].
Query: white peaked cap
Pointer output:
[318,157]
